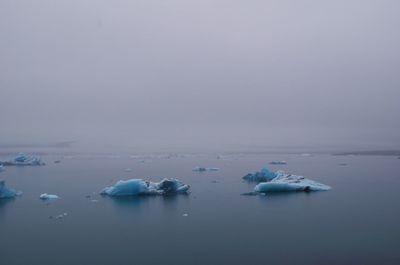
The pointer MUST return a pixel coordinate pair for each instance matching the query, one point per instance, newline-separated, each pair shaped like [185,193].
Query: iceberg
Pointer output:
[279,181]
[23,160]
[202,169]
[262,176]
[132,187]
[46,196]
[6,192]
[288,182]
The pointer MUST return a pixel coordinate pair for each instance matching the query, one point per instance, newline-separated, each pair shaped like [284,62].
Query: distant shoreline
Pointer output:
[371,153]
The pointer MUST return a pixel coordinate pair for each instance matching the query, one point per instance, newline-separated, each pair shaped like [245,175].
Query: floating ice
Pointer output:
[23,160]
[1,168]
[262,176]
[60,216]
[128,169]
[140,187]
[270,181]
[6,192]
[287,182]
[202,169]
[282,162]
[46,196]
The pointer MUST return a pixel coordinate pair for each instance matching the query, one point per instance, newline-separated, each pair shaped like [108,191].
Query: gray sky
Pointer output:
[205,73]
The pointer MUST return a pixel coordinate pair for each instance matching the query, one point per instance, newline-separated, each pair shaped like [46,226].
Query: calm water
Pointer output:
[357,222]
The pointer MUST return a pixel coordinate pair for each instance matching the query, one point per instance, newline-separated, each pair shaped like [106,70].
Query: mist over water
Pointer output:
[200,75]
[97,91]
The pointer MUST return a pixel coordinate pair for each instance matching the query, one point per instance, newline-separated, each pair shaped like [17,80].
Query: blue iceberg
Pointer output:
[6,192]
[133,187]
[262,176]
[23,160]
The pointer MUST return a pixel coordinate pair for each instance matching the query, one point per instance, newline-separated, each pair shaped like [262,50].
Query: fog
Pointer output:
[203,74]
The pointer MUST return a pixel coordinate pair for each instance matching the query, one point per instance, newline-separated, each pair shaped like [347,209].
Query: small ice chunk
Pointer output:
[286,183]
[20,157]
[140,187]
[60,216]
[6,192]
[128,169]
[185,215]
[46,196]
[202,169]
[281,162]
[2,168]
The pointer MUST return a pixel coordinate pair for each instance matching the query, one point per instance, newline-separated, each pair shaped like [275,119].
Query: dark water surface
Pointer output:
[357,222]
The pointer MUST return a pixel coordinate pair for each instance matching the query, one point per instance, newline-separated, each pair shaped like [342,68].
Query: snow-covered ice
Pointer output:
[279,181]
[46,196]
[6,192]
[140,187]
[287,182]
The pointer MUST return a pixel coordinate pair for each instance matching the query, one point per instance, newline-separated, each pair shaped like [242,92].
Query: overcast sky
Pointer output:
[200,73]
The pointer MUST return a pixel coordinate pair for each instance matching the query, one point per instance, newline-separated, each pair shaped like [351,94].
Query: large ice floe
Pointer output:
[23,160]
[281,182]
[6,192]
[133,187]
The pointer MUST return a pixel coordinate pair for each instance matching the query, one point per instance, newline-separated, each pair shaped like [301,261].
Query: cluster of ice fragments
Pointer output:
[268,181]
[140,187]
[23,160]
[279,181]
[6,192]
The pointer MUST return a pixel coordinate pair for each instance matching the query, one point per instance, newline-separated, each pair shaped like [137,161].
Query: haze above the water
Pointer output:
[200,74]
